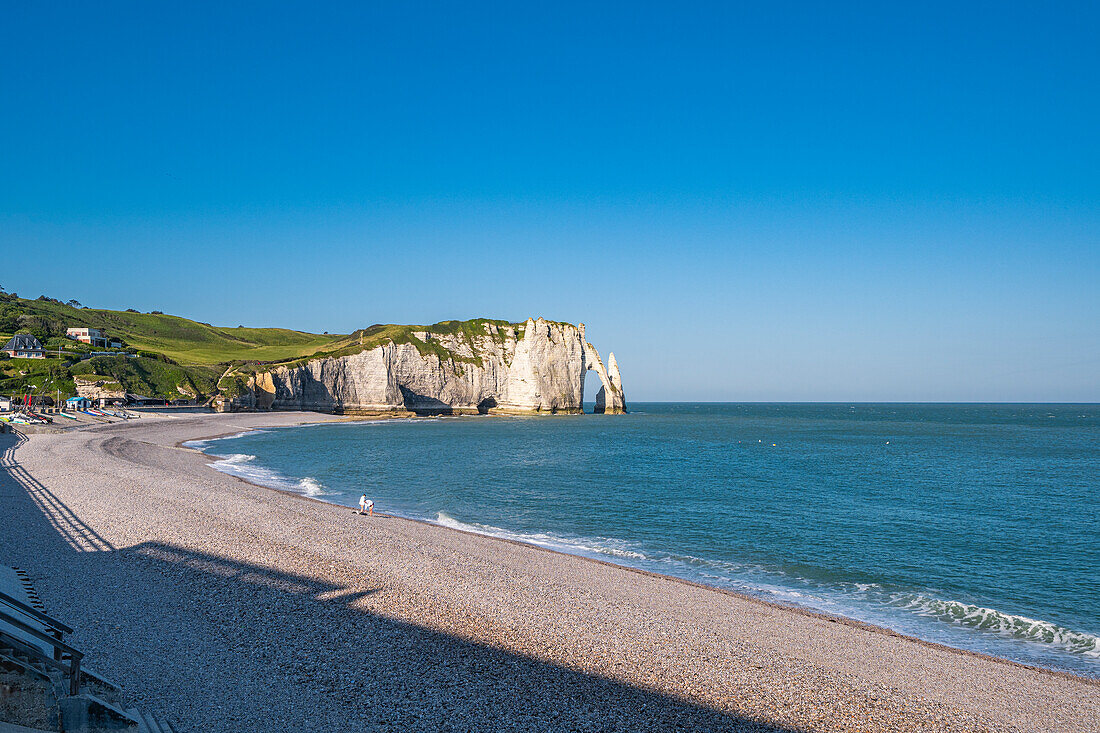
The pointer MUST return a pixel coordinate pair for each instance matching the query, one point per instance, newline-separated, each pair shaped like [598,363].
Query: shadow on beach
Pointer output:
[215,644]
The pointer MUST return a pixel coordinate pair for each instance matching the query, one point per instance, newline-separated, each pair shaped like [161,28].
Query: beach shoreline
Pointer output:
[748,597]
[456,582]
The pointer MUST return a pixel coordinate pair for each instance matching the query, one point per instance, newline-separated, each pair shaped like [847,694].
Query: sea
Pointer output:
[971,525]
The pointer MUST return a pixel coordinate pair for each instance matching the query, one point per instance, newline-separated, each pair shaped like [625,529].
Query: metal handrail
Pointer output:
[75,655]
[38,634]
[34,613]
[21,645]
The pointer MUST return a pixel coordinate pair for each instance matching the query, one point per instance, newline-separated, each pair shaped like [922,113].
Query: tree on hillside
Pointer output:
[9,319]
[42,327]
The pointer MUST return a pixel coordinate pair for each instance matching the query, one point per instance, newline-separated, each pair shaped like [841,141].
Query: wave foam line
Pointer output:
[826,597]
[240,465]
[1004,624]
[606,546]
[832,598]
[203,444]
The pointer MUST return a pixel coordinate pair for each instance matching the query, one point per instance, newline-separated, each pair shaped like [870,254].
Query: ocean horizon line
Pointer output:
[845,402]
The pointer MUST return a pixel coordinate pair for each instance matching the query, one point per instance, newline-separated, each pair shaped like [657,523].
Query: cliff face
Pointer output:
[537,366]
[94,389]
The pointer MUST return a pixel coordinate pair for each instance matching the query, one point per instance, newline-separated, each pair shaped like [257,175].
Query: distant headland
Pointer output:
[62,349]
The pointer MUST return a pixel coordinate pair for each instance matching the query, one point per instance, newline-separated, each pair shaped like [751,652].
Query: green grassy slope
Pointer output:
[180,339]
[41,376]
[177,357]
[137,375]
[378,334]
[150,377]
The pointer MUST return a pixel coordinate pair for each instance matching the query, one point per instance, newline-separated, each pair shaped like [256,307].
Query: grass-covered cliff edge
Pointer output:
[177,358]
[162,356]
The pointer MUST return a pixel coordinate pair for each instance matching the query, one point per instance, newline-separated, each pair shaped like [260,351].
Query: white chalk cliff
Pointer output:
[482,366]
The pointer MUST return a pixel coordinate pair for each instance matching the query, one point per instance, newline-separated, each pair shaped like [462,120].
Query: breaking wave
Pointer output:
[1004,624]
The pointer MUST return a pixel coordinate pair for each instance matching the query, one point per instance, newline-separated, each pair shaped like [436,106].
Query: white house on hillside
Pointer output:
[94,337]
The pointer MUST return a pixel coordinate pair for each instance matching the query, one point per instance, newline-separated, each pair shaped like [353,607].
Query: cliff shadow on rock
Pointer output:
[422,404]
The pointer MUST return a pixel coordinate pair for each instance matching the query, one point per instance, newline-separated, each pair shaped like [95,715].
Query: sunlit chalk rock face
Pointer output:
[533,367]
[610,398]
[99,388]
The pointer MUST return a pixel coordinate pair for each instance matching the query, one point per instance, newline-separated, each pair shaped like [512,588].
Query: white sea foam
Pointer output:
[1004,624]
[829,597]
[311,486]
[204,444]
[906,611]
[595,546]
[242,466]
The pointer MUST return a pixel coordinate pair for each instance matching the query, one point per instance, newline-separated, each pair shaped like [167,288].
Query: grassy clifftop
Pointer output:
[170,356]
[149,377]
[376,335]
[422,337]
[182,340]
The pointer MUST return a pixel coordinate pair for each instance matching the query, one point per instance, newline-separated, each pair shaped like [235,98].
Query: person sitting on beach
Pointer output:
[366,506]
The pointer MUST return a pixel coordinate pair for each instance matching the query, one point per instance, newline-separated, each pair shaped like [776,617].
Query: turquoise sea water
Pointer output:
[969,525]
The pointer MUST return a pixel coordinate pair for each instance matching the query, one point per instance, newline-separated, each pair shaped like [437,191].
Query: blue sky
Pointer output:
[776,201]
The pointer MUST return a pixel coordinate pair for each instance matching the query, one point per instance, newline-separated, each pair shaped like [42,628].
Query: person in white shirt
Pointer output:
[366,506]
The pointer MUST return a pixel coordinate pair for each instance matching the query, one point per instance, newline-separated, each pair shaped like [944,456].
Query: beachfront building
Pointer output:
[5,404]
[24,346]
[94,337]
[78,403]
[143,401]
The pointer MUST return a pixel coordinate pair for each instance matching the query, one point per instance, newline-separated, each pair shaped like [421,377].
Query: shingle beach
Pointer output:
[224,606]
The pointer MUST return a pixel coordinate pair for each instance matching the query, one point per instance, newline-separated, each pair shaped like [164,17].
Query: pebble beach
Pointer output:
[222,605]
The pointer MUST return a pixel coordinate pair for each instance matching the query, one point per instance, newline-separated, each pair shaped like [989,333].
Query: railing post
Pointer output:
[74,675]
[57,649]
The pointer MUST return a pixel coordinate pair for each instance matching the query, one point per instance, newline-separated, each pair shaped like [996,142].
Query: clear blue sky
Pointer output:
[766,201]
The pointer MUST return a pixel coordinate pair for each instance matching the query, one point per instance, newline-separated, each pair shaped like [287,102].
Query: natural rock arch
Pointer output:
[609,399]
